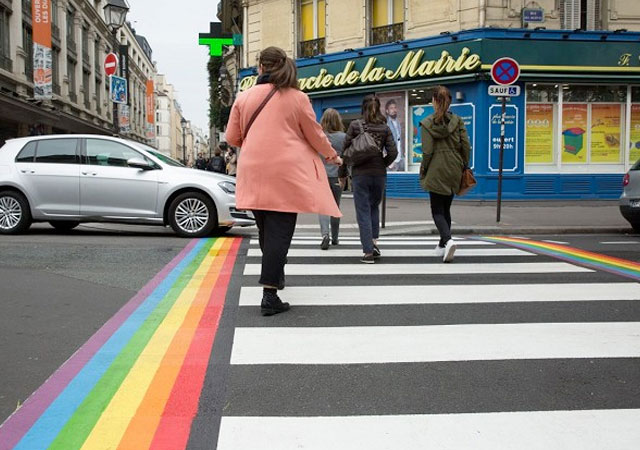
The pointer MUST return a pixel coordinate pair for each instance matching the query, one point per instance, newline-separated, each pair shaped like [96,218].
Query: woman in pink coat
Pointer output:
[280,173]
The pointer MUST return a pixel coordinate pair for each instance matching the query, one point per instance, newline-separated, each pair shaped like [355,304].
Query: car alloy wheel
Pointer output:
[15,216]
[193,214]
[10,213]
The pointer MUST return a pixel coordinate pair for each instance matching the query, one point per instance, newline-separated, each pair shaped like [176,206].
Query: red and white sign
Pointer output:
[110,64]
[505,71]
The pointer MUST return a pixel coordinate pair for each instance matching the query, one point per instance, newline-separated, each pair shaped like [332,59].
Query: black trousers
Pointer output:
[275,231]
[441,212]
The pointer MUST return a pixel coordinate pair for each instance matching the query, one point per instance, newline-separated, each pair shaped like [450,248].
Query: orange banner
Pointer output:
[41,11]
[151,104]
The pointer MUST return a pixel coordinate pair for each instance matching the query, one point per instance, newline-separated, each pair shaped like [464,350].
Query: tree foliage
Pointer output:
[218,112]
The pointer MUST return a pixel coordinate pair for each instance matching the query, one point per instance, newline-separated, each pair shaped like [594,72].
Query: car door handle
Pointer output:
[27,171]
[90,173]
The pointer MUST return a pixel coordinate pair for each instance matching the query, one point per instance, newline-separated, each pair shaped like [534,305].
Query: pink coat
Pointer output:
[279,168]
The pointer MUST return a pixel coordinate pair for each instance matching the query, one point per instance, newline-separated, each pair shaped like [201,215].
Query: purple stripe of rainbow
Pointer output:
[598,261]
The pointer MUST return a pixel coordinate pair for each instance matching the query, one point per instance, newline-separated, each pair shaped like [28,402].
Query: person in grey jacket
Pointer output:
[331,123]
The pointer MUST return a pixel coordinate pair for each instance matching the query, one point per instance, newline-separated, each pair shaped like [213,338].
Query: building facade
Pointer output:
[81,103]
[572,133]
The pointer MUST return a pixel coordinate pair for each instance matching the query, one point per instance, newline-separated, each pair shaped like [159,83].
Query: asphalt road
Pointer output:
[58,289]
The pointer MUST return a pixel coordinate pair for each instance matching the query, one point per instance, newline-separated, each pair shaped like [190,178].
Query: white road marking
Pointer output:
[620,242]
[429,243]
[355,225]
[556,242]
[382,239]
[421,269]
[396,344]
[527,430]
[423,252]
[447,294]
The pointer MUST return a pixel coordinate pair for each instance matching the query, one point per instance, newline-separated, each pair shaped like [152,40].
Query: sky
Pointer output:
[172,28]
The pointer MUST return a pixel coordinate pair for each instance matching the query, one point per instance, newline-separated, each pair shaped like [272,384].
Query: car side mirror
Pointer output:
[138,163]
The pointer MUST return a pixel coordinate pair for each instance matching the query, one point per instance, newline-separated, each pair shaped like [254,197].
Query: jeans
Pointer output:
[275,231]
[441,212]
[367,195]
[334,221]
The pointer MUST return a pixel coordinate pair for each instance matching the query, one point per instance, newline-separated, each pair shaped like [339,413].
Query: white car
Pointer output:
[69,179]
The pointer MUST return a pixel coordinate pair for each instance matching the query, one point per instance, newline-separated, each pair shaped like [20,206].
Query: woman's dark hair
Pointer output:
[371,109]
[281,68]
[441,101]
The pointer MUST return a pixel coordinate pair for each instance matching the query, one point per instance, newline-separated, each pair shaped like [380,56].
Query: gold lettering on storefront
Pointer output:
[413,65]
[625,59]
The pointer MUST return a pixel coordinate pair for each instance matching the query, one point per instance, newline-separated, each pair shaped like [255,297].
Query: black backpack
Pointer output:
[217,164]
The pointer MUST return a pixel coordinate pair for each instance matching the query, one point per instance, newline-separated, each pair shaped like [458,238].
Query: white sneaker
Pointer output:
[439,251]
[449,250]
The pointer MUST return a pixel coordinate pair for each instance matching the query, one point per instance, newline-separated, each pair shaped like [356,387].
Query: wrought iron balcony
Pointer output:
[386,34]
[312,48]
[6,63]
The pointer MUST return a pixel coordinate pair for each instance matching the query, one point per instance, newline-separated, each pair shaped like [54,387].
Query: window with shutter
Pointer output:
[570,14]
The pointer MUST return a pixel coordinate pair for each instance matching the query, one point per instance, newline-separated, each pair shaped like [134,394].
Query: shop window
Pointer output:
[5,49]
[634,144]
[590,132]
[387,21]
[312,27]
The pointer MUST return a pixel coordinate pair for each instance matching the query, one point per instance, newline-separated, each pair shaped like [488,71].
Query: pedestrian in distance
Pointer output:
[369,175]
[217,162]
[232,161]
[279,172]
[445,154]
[201,164]
[331,123]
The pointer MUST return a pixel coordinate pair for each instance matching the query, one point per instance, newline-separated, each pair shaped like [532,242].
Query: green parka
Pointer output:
[445,153]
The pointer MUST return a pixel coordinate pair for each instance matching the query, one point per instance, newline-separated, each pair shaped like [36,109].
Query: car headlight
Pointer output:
[228,186]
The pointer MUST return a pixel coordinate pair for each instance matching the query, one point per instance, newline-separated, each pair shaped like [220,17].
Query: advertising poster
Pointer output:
[634,153]
[574,133]
[42,58]
[419,112]
[539,134]
[392,107]
[605,132]
[150,104]
[510,161]
[124,118]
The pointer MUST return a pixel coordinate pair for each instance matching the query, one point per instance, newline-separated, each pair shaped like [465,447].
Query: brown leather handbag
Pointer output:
[468,180]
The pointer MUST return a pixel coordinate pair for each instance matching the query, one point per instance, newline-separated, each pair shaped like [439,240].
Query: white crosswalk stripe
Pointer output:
[500,349]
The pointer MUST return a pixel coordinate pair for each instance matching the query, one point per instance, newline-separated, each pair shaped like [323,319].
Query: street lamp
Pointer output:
[183,122]
[115,13]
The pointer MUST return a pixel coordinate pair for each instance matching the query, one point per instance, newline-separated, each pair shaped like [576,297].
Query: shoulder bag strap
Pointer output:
[257,111]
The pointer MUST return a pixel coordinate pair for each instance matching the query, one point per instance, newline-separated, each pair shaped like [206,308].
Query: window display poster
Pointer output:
[510,153]
[539,134]
[634,153]
[605,132]
[419,112]
[574,133]
[392,108]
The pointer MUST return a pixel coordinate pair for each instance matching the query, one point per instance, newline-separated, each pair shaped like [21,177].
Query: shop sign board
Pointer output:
[496,90]
[533,15]
[505,71]
[510,138]
[118,89]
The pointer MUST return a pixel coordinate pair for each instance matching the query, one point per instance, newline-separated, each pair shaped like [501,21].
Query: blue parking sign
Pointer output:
[118,89]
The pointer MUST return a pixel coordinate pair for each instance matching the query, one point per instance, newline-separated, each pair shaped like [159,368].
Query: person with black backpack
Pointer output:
[369,149]
[217,162]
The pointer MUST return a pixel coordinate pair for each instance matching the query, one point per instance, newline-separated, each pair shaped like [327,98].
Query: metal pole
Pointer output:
[116,122]
[502,126]
[184,147]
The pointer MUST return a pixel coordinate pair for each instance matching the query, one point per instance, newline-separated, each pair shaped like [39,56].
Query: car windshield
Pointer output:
[162,157]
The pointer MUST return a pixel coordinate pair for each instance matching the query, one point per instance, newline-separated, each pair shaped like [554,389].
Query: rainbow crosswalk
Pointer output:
[617,266]
[137,382]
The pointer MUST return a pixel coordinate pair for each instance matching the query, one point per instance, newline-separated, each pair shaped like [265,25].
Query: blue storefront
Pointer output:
[572,133]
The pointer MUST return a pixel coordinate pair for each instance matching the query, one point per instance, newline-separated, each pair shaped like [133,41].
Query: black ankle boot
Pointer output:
[271,304]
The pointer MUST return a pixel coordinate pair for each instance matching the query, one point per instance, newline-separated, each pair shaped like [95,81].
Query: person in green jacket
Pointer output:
[445,154]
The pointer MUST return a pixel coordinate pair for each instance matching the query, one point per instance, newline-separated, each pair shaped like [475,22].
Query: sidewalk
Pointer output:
[413,217]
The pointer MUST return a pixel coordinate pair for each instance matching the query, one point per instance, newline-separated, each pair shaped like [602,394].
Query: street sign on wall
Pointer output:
[495,90]
[110,64]
[118,89]
[505,71]
[533,15]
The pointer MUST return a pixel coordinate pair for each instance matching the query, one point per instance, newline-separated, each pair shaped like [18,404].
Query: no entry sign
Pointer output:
[110,64]
[505,71]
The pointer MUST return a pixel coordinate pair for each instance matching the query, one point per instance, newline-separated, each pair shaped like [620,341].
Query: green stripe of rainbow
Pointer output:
[148,394]
[617,266]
